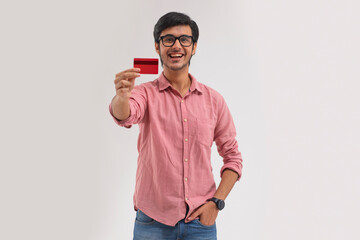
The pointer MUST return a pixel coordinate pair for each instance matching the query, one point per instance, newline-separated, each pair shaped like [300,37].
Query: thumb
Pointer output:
[194,215]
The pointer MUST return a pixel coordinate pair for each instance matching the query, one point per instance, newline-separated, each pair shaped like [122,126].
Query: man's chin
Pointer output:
[176,68]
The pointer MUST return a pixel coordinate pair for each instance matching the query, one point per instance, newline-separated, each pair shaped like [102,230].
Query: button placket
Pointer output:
[185,122]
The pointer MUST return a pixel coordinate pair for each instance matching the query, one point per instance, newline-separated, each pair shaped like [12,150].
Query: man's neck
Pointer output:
[180,80]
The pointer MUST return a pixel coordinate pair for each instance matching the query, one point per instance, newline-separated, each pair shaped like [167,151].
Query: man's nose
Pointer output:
[177,44]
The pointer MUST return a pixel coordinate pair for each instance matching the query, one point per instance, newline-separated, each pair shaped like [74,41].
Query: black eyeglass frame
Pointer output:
[176,38]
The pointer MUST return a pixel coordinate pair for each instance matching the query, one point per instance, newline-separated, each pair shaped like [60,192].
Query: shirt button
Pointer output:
[186,139]
[182,101]
[185,120]
[186,198]
[185,179]
[186,160]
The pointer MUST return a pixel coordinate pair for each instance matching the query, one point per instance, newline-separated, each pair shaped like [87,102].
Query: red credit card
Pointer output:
[147,65]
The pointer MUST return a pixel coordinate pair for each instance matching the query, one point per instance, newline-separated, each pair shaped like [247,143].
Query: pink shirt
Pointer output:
[174,144]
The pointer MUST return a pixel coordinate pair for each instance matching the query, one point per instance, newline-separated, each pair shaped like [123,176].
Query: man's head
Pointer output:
[172,19]
[176,37]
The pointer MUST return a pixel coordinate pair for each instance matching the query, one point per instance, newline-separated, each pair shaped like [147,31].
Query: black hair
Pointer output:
[172,19]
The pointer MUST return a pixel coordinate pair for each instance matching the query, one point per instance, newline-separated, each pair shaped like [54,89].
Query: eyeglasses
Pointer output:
[169,40]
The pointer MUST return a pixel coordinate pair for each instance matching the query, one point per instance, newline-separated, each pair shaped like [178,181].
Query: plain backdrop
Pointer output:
[288,70]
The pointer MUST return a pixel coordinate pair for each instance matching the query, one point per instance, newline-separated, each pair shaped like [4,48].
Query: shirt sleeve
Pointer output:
[138,106]
[224,137]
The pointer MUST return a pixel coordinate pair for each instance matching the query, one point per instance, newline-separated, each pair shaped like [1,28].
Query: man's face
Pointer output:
[176,57]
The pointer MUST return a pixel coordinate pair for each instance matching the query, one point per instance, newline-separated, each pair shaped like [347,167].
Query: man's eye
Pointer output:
[185,40]
[169,40]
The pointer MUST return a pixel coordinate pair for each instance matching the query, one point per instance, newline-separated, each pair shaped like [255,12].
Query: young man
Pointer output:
[179,119]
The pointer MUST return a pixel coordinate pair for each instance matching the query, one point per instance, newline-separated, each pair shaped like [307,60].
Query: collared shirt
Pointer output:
[174,144]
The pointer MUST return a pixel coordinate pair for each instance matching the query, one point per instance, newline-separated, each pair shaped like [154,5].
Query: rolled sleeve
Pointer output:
[137,104]
[126,122]
[226,143]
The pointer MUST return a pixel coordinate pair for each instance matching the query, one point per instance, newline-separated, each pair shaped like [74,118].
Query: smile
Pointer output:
[176,55]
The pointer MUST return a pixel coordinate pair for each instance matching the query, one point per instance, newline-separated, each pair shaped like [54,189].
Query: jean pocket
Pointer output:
[198,222]
[142,218]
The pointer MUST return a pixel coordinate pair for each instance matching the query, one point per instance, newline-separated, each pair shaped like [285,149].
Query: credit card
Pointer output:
[147,65]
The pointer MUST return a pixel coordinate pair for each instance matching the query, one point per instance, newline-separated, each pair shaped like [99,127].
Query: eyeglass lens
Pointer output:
[169,41]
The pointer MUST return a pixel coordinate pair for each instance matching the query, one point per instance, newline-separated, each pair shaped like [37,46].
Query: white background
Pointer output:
[289,71]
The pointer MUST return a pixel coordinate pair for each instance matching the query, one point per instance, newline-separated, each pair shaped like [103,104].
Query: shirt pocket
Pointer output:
[205,131]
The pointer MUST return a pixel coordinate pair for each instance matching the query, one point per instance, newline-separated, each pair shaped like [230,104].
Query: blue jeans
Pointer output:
[147,228]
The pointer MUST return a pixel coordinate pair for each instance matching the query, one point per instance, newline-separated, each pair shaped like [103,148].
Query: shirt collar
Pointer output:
[164,83]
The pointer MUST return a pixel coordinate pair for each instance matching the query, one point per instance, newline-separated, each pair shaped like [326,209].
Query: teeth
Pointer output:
[176,55]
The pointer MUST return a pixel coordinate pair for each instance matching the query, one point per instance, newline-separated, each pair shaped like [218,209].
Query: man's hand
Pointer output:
[207,213]
[124,84]
[125,81]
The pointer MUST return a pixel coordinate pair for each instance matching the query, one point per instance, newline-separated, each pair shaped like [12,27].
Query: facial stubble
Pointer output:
[179,68]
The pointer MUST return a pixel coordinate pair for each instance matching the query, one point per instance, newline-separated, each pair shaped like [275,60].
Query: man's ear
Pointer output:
[194,49]
[157,48]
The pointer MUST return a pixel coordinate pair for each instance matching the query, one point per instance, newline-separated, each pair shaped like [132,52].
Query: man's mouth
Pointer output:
[176,55]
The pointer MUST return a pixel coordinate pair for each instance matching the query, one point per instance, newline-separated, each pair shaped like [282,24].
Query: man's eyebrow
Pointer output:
[167,35]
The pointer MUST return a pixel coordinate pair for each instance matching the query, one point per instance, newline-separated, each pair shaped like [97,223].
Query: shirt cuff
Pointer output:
[232,166]
[123,123]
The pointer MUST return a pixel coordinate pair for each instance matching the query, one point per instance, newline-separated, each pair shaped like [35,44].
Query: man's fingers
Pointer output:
[131,70]
[127,77]
[123,83]
[123,90]
[194,215]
